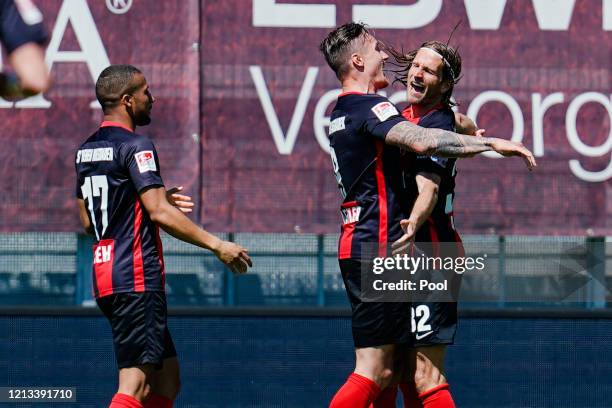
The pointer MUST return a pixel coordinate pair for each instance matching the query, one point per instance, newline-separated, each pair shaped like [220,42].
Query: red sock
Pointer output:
[124,401]
[437,397]
[411,397]
[158,401]
[357,392]
[386,399]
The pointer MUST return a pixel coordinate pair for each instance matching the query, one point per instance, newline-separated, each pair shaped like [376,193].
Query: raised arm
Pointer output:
[449,144]
[175,223]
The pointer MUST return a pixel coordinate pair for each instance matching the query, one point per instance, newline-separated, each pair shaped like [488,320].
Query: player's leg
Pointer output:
[373,371]
[376,329]
[388,396]
[435,355]
[134,386]
[434,326]
[138,323]
[165,380]
[165,385]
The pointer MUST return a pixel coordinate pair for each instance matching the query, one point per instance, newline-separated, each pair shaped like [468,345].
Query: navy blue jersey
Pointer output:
[20,23]
[113,166]
[368,172]
[439,227]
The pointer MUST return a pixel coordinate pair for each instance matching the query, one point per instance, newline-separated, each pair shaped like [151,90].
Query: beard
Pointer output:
[142,119]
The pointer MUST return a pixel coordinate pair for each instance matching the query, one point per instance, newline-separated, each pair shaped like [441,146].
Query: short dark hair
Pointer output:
[338,44]
[114,82]
[451,67]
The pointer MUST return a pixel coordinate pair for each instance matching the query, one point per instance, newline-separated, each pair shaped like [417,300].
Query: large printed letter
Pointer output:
[266,13]
[583,148]
[77,13]
[284,145]
[416,15]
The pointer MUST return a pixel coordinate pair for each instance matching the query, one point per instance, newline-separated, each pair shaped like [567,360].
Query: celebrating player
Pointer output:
[429,74]
[123,202]
[23,35]
[366,132]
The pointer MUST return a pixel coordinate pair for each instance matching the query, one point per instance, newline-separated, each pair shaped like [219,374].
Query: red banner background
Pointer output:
[212,66]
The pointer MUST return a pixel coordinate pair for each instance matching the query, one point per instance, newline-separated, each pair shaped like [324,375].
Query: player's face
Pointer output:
[374,60]
[425,86]
[142,102]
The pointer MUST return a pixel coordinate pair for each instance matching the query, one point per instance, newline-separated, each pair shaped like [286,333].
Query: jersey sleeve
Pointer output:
[381,116]
[441,119]
[20,23]
[140,158]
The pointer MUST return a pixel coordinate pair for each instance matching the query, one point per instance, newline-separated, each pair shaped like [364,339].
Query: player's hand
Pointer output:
[480,133]
[426,375]
[508,148]
[234,256]
[402,245]
[180,201]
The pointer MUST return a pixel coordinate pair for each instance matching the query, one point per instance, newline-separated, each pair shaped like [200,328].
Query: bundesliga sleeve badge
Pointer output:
[384,110]
[145,161]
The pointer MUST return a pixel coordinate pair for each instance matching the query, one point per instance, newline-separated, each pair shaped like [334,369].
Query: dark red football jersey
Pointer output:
[368,172]
[113,166]
[440,226]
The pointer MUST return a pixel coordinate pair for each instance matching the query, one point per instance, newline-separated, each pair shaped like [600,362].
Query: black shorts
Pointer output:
[139,325]
[434,323]
[374,323]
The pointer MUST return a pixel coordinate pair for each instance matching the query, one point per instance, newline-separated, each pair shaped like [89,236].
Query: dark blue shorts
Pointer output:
[139,325]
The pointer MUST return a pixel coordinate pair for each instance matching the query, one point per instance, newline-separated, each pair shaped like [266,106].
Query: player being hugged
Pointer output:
[366,134]
[123,202]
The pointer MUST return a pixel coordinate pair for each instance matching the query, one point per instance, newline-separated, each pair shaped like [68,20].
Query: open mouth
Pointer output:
[420,88]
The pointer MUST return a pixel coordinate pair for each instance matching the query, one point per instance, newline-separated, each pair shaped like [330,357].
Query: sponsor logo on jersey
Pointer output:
[145,161]
[350,215]
[336,124]
[95,155]
[103,251]
[384,110]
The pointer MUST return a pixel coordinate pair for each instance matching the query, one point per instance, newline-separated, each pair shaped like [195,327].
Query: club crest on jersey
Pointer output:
[384,110]
[145,161]
[350,215]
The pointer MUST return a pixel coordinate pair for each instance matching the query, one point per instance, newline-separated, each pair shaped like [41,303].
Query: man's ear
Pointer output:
[126,100]
[357,61]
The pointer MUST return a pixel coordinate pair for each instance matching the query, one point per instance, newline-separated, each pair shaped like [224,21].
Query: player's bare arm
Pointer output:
[175,223]
[85,222]
[428,185]
[449,144]
[31,76]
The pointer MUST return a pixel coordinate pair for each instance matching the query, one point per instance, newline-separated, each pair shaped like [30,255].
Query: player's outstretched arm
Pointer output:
[430,141]
[175,223]
[31,75]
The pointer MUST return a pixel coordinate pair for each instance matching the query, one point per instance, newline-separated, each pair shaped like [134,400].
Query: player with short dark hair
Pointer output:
[23,35]
[123,202]
[366,132]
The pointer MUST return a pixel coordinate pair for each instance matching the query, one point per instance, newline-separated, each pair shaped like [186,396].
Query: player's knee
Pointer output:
[135,385]
[384,377]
